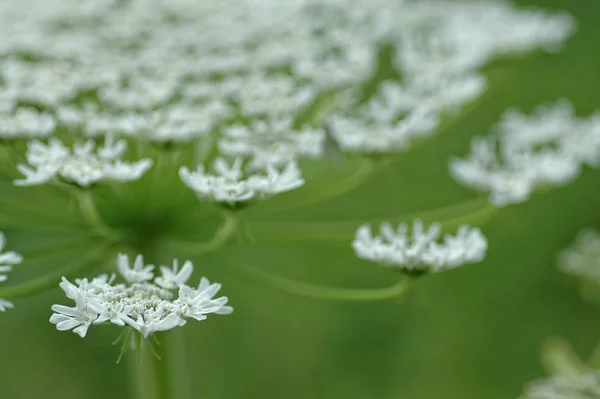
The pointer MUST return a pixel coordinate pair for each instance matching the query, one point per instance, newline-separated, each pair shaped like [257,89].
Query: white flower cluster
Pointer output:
[139,303]
[7,261]
[26,122]
[439,49]
[272,142]
[584,386]
[84,165]
[399,114]
[527,153]
[582,259]
[229,184]
[256,58]
[421,250]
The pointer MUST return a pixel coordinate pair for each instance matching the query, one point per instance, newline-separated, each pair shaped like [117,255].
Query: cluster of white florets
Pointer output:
[526,153]
[231,185]
[144,302]
[82,165]
[7,261]
[420,249]
[582,259]
[584,386]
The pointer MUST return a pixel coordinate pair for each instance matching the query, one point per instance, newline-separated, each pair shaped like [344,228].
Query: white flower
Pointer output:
[78,318]
[7,261]
[380,134]
[4,305]
[197,303]
[147,307]
[136,274]
[271,142]
[173,277]
[527,153]
[584,386]
[26,122]
[83,165]
[420,250]
[582,259]
[229,186]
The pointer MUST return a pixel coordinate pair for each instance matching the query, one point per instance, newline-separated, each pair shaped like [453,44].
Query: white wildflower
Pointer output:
[380,134]
[271,142]
[260,94]
[83,165]
[229,184]
[7,261]
[584,386]
[174,277]
[421,250]
[582,259]
[526,153]
[145,306]
[26,122]
[140,272]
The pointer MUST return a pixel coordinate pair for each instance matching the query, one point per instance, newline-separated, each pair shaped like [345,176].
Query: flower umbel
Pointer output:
[84,165]
[420,250]
[584,386]
[146,306]
[7,261]
[229,185]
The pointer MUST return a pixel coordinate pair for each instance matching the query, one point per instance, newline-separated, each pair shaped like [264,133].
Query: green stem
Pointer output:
[301,288]
[92,216]
[474,212]
[323,192]
[159,367]
[51,280]
[222,235]
[559,358]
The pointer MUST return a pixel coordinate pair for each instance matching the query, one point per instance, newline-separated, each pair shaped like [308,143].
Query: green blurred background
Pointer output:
[472,333]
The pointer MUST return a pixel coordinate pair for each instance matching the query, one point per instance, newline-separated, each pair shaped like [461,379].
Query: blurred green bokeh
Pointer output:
[472,333]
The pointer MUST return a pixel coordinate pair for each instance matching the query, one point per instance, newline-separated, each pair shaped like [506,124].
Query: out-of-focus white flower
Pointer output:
[84,165]
[7,261]
[582,259]
[229,184]
[174,277]
[260,94]
[271,143]
[420,250]
[138,94]
[529,152]
[399,114]
[141,304]
[26,122]
[584,386]
[140,272]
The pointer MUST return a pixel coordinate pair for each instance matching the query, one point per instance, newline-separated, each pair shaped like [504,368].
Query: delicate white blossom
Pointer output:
[83,165]
[420,249]
[271,143]
[526,153]
[7,261]
[139,303]
[26,122]
[231,185]
[582,259]
[584,386]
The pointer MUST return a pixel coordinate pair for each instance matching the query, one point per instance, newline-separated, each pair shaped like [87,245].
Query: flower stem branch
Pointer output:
[92,216]
[301,288]
[474,212]
[220,238]
[316,193]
